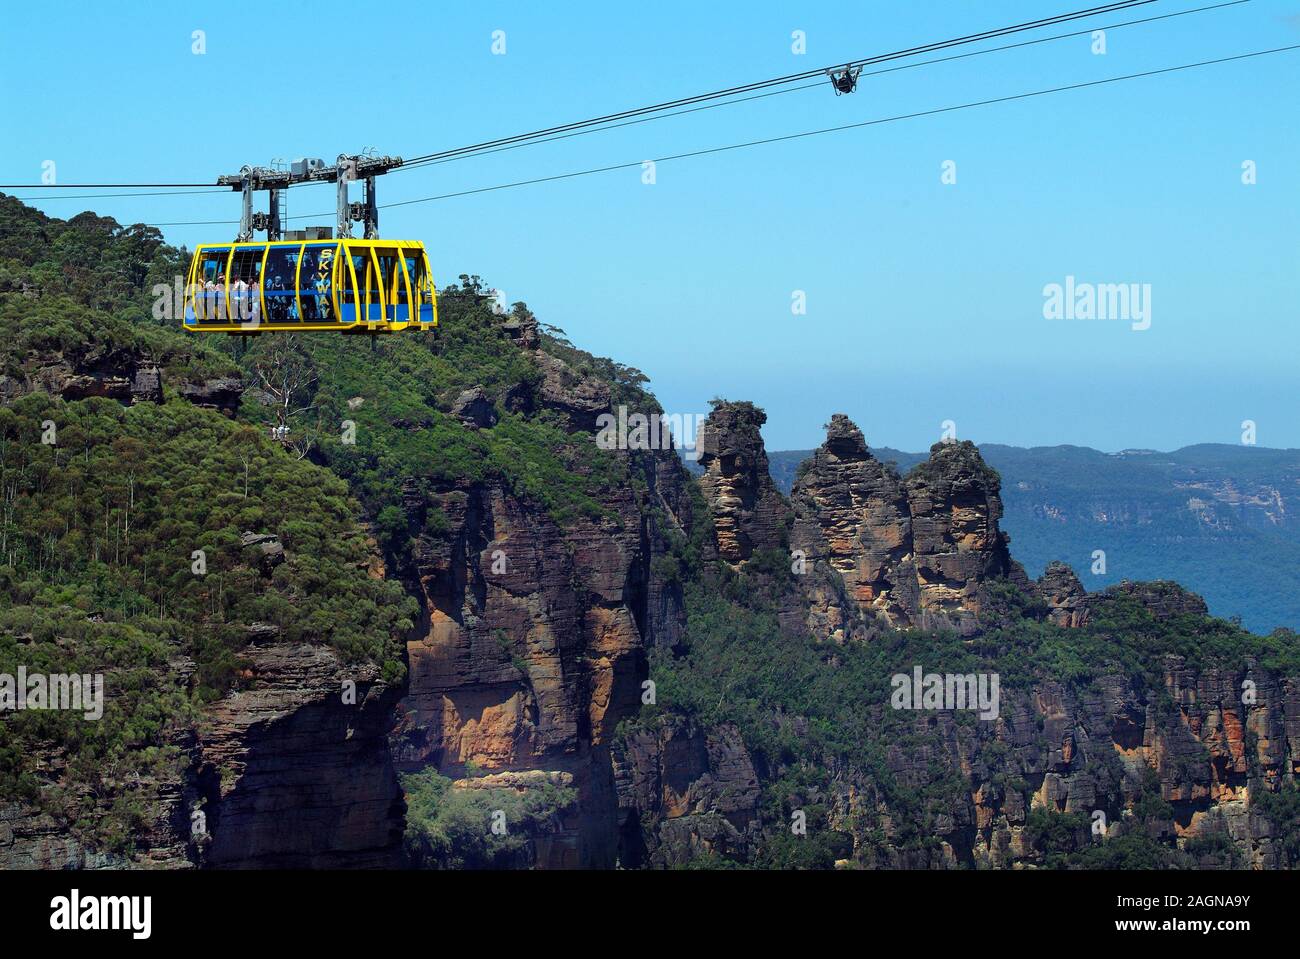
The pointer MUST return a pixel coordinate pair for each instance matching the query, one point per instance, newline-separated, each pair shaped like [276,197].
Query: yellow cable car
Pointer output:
[366,286]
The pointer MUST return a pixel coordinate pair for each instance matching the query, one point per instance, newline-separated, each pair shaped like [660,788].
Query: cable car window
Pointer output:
[210,280]
[315,282]
[359,263]
[390,272]
[213,266]
[348,292]
[281,267]
[428,305]
[415,270]
[368,283]
[247,266]
[245,279]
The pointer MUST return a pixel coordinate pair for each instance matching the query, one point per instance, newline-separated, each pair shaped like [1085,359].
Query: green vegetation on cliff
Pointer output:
[102,509]
[815,715]
[99,528]
[451,827]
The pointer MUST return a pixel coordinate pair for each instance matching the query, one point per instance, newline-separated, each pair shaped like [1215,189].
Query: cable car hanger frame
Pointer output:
[845,80]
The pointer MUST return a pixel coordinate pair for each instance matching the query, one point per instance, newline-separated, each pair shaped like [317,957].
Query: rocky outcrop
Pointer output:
[580,399]
[914,551]
[852,519]
[957,546]
[112,372]
[119,373]
[473,408]
[265,549]
[520,326]
[1161,598]
[684,792]
[748,512]
[295,772]
[1064,594]
[221,393]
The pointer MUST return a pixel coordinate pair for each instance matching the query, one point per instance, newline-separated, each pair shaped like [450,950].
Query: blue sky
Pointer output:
[924,300]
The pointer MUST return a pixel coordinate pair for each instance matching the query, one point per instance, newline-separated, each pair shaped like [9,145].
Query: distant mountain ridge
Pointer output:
[1222,520]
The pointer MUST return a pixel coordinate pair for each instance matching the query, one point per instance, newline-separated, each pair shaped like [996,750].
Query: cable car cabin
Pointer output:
[356,286]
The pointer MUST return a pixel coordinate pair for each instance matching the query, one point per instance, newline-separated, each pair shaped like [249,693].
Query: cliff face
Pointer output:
[112,372]
[532,649]
[535,635]
[128,374]
[683,792]
[1090,754]
[35,836]
[536,628]
[1103,756]
[293,772]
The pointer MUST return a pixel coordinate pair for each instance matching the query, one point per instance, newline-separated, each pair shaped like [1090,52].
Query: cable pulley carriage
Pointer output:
[845,80]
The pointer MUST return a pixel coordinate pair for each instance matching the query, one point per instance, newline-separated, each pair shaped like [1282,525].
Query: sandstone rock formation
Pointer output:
[116,373]
[1064,595]
[220,393]
[266,548]
[912,551]
[112,372]
[295,772]
[748,512]
[581,399]
[696,786]
[957,546]
[473,408]
[852,518]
